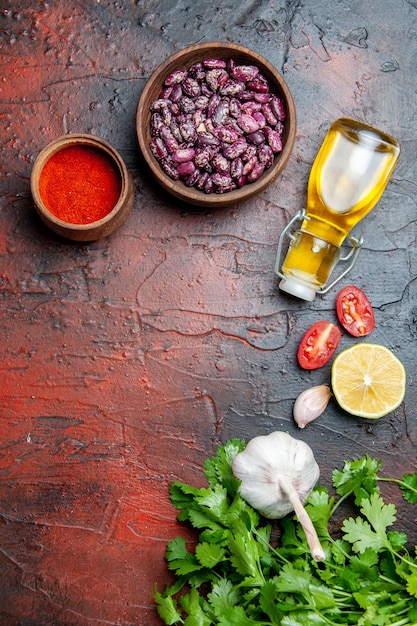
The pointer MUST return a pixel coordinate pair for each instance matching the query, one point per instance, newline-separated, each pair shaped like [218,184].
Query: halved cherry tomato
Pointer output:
[318,345]
[355,312]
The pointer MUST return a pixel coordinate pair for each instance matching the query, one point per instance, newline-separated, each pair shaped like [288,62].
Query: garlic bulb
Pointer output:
[277,474]
[310,404]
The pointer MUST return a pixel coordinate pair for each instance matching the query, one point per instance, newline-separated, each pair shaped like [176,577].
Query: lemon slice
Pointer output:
[368,380]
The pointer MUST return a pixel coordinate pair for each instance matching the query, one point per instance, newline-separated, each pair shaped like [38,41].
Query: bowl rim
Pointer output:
[143,117]
[66,141]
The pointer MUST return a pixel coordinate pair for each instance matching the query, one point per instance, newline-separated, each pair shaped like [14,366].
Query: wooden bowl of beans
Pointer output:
[216,124]
[81,187]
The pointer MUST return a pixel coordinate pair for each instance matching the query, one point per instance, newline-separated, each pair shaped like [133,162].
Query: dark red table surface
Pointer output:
[127,361]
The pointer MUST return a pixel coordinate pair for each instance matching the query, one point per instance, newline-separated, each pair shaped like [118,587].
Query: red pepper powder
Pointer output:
[80,184]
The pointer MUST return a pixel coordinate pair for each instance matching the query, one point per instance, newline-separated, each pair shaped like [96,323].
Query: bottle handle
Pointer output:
[352,254]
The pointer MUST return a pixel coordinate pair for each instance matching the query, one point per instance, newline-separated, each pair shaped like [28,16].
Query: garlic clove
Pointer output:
[310,404]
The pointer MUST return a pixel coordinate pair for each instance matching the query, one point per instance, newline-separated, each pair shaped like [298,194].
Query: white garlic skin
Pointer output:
[310,404]
[269,467]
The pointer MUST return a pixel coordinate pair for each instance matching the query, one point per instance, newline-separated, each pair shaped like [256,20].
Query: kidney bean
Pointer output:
[213,104]
[156,123]
[192,179]
[232,88]
[185,168]
[202,157]
[221,164]
[209,185]
[175,129]
[274,140]
[250,152]
[226,134]
[260,85]
[158,149]
[159,104]
[251,106]
[265,155]
[260,118]
[166,135]
[221,180]
[262,97]
[191,87]
[170,169]
[277,107]
[182,155]
[235,107]
[176,92]
[186,104]
[269,116]
[221,113]
[175,77]
[245,73]
[214,63]
[236,149]
[249,165]
[241,181]
[236,168]
[188,130]
[256,138]
[201,181]
[165,93]
[247,123]
[207,139]
[201,102]
[197,71]
[212,79]
[256,172]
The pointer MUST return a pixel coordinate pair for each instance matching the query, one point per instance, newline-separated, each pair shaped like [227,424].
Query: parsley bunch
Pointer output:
[235,577]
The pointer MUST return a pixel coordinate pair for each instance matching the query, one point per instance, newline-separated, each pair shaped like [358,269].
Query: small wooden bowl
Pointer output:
[99,228]
[183,60]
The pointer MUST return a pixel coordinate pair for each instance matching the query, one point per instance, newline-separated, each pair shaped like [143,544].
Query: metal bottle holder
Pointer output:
[352,254]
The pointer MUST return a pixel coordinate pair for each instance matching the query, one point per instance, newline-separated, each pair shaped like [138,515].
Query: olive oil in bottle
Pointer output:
[349,175]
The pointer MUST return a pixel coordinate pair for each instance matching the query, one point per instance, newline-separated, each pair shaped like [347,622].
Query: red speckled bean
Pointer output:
[185,168]
[236,149]
[175,77]
[182,155]
[249,165]
[191,87]
[158,149]
[214,63]
[236,168]
[221,164]
[245,72]
[269,116]
[277,107]
[247,123]
[274,140]
[170,169]
[176,93]
[259,85]
[226,134]
[188,131]
[232,88]
[166,135]
[202,157]
[256,172]
[266,155]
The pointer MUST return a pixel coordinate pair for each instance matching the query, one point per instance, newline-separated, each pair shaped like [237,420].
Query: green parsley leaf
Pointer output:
[209,554]
[358,477]
[409,488]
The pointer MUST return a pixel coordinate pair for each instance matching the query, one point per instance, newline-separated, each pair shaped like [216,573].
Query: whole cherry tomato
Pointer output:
[355,312]
[318,345]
